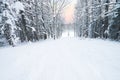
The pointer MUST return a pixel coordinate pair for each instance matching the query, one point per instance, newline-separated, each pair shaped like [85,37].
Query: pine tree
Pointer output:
[114,29]
[9,26]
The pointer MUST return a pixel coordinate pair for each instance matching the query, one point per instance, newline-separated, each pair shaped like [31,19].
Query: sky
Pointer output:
[68,12]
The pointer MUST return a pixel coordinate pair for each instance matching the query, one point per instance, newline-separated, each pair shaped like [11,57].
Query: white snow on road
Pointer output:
[68,33]
[63,59]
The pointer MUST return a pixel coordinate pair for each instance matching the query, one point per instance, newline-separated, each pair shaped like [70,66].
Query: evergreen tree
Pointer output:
[114,29]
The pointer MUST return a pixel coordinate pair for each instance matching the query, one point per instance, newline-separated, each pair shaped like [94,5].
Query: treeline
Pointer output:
[29,20]
[98,19]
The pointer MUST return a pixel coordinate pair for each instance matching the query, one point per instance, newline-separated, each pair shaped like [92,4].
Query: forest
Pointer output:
[32,20]
[29,20]
[98,19]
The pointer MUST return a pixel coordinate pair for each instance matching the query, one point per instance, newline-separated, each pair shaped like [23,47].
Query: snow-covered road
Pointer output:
[63,59]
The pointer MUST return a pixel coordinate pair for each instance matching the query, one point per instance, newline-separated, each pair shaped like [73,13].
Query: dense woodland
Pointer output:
[30,20]
[98,19]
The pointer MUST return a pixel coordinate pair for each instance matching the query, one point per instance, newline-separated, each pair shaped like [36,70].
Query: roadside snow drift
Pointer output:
[64,59]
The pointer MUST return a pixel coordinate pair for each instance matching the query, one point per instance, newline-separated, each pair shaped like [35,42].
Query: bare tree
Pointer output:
[57,6]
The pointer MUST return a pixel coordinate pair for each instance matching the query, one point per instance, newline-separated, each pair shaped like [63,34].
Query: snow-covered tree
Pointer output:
[56,6]
[96,18]
[8,26]
[30,20]
[114,27]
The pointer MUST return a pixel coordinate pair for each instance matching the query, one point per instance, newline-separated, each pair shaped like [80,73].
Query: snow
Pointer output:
[18,6]
[0,18]
[68,33]
[63,59]
[33,29]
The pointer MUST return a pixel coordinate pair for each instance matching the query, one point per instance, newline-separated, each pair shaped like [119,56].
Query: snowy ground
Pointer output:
[63,59]
[67,34]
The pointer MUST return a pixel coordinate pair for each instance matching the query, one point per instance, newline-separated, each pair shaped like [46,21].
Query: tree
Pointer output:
[8,26]
[30,20]
[56,6]
[99,18]
[106,20]
[3,41]
[114,28]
